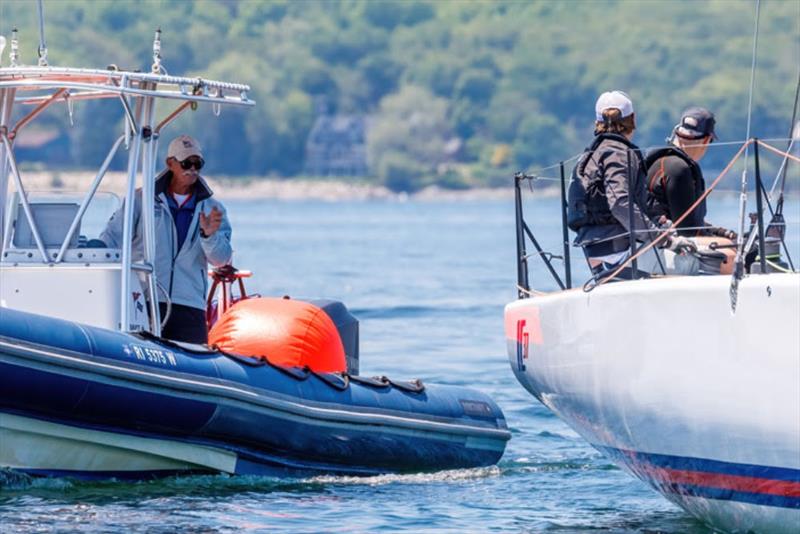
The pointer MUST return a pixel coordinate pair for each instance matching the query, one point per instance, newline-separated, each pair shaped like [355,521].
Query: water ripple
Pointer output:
[432,306]
[410,311]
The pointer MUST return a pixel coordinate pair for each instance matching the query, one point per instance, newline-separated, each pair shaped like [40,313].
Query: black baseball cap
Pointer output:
[696,123]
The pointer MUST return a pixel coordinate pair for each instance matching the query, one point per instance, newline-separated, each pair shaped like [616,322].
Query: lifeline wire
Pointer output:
[541,178]
[535,173]
[554,165]
[675,223]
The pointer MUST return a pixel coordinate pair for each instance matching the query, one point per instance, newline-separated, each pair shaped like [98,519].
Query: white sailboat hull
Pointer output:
[701,403]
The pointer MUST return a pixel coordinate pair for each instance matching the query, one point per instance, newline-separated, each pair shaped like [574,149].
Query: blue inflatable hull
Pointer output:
[88,402]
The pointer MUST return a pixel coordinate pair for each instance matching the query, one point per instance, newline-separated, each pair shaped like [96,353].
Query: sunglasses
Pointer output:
[188,163]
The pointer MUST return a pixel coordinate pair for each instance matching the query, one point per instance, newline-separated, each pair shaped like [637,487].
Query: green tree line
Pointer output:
[458,93]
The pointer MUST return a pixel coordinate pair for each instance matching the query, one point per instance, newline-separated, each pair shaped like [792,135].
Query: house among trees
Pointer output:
[337,146]
[36,144]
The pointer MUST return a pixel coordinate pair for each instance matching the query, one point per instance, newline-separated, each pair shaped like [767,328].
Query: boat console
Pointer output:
[81,278]
[51,261]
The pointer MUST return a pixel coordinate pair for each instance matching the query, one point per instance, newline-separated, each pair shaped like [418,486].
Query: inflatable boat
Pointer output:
[90,388]
[89,402]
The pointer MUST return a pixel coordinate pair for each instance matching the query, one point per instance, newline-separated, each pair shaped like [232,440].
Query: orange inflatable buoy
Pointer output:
[285,332]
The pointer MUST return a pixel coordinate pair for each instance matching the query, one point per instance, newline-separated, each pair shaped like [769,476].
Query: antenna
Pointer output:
[42,44]
[14,54]
[156,69]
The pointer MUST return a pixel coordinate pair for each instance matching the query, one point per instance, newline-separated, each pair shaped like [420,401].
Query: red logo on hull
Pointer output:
[522,344]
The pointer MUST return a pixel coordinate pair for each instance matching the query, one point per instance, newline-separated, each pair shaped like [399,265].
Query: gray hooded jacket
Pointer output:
[608,163]
[182,273]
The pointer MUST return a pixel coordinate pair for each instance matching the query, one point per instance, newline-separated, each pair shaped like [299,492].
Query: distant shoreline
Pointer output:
[276,189]
[296,189]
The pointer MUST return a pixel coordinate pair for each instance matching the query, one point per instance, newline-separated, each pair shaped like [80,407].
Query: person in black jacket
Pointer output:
[675,184]
[608,182]
[674,178]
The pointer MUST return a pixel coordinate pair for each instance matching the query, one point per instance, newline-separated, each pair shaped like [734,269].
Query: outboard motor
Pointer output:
[347,325]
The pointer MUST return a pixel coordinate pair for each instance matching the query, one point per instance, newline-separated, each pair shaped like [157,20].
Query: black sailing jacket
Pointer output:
[674,183]
[603,174]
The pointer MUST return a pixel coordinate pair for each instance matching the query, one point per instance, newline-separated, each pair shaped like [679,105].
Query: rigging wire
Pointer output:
[738,264]
[536,174]
[793,135]
[752,78]
[781,177]
[42,44]
[2,34]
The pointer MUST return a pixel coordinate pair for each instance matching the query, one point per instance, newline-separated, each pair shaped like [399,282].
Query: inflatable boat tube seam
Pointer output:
[176,383]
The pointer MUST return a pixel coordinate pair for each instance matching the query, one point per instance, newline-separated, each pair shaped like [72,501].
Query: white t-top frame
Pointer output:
[138,94]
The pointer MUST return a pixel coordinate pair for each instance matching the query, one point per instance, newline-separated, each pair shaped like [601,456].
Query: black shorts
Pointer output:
[184,324]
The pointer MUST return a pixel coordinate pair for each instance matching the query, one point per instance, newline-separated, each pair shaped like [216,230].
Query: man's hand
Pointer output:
[664,222]
[210,224]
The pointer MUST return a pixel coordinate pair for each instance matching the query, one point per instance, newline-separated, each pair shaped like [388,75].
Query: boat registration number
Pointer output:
[151,355]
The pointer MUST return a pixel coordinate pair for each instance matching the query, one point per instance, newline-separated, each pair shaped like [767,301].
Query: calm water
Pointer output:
[428,282]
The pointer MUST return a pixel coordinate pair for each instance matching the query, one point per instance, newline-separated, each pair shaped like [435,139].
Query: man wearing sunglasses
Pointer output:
[191,230]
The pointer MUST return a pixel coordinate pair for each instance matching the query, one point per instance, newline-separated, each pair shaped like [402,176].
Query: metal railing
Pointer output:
[641,241]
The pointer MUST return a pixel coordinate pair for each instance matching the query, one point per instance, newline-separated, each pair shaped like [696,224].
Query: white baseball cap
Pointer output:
[613,99]
[184,147]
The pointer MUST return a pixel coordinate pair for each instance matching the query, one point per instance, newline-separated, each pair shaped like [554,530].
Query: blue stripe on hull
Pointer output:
[687,463]
[650,467]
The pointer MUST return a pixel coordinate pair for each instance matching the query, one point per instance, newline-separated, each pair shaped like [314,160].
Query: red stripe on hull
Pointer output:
[764,486]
